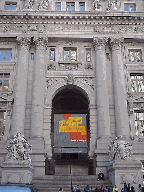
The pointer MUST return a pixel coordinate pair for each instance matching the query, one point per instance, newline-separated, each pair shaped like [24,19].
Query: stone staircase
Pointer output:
[52,183]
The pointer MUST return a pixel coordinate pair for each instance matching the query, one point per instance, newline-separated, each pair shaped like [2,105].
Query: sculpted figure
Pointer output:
[43,4]
[97,4]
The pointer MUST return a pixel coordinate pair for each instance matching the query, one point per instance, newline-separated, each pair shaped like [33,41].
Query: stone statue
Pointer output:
[43,5]
[18,149]
[113,4]
[97,5]
[119,150]
[28,4]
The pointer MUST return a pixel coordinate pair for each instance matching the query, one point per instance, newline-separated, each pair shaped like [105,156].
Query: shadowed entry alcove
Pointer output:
[70,100]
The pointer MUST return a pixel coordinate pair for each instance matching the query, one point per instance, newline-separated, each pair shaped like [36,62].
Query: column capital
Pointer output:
[41,42]
[116,43]
[24,42]
[99,42]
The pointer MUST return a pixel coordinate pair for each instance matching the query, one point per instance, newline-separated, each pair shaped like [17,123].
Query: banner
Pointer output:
[70,133]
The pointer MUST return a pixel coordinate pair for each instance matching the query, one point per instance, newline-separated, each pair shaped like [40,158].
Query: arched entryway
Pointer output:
[70,101]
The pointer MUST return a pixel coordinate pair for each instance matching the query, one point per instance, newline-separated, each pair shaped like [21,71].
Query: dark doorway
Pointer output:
[70,100]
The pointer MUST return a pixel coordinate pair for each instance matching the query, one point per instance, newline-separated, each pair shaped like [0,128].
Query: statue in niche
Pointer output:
[18,149]
[28,4]
[43,5]
[97,5]
[113,5]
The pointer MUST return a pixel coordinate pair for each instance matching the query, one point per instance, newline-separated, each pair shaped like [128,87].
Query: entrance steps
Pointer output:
[52,183]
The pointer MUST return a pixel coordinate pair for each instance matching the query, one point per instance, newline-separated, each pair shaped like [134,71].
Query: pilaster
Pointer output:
[102,97]
[20,86]
[122,126]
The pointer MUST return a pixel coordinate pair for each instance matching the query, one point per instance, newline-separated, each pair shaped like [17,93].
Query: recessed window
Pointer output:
[139,123]
[82,6]
[2,122]
[129,7]
[52,54]
[58,6]
[5,54]
[4,82]
[70,6]
[11,6]
[135,55]
[70,54]
[32,56]
[137,82]
[88,54]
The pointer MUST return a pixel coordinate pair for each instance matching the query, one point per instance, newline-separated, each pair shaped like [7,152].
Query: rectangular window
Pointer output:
[4,82]
[139,123]
[32,56]
[52,54]
[58,5]
[70,6]
[82,6]
[129,7]
[137,82]
[2,122]
[5,54]
[70,54]
[11,6]
[135,55]
[88,54]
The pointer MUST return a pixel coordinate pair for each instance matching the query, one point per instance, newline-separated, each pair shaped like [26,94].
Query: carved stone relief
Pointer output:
[43,5]
[88,66]
[51,66]
[28,4]
[6,96]
[70,79]
[113,5]
[97,5]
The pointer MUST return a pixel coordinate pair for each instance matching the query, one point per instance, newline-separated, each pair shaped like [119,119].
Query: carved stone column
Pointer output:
[39,86]
[20,86]
[102,97]
[122,126]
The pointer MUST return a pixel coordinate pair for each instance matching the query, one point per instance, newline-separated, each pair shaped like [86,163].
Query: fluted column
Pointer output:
[102,97]
[122,126]
[20,86]
[39,85]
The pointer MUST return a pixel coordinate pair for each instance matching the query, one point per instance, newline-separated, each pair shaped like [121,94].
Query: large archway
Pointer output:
[73,100]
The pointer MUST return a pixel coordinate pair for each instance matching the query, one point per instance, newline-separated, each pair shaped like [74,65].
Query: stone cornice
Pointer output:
[26,16]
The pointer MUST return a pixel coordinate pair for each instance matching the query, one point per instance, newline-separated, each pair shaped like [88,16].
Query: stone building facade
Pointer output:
[79,57]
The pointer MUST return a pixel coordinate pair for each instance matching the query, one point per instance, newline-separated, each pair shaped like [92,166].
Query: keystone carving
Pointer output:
[70,79]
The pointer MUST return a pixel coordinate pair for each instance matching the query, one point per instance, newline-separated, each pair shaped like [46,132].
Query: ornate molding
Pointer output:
[24,42]
[135,97]
[41,42]
[6,96]
[99,43]
[116,43]
[51,66]
[88,66]
[139,106]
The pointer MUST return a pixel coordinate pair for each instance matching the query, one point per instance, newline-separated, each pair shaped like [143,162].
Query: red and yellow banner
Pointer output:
[78,133]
